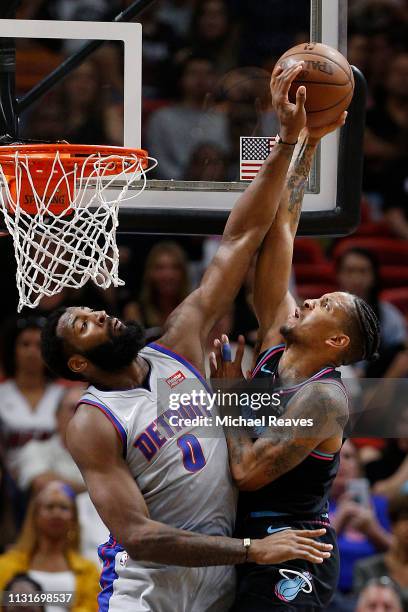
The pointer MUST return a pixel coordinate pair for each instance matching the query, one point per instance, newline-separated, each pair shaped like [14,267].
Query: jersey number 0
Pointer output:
[193,456]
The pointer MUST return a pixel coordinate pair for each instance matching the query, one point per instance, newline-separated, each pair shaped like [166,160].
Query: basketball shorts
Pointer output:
[292,586]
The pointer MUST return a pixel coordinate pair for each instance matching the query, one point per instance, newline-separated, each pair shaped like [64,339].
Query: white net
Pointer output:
[66,241]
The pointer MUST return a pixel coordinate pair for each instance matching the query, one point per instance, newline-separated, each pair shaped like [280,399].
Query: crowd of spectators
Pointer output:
[206,76]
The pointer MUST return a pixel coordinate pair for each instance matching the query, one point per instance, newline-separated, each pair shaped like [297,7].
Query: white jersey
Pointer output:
[20,423]
[183,474]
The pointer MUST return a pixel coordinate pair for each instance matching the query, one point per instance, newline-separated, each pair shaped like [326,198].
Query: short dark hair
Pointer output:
[13,328]
[20,578]
[364,333]
[371,257]
[55,351]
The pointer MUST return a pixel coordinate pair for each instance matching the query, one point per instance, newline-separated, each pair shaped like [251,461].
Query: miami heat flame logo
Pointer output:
[292,584]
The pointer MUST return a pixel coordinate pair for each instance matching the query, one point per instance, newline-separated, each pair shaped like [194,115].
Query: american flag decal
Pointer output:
[253,152]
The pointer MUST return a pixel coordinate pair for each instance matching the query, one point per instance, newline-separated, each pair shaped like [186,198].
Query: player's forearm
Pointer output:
[268,461]
[277,249]
[397,222]
[160,543]
[241,454]
[381,539]
[392,485]
[290,205]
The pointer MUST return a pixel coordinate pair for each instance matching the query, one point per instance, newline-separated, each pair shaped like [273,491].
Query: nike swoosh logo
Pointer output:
[265,370]
[271,529]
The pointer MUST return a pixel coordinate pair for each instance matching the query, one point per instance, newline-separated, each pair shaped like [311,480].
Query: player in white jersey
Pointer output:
[164,489]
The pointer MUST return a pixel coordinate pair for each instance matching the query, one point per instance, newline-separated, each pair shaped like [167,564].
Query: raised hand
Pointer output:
[290,544]
[314,135]
[292,117]
[221,363]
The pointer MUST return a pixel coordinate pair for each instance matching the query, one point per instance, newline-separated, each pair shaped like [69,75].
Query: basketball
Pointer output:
[328,79]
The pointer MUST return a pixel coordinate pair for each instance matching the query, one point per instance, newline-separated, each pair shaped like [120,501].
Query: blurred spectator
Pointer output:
[390,472]
[80,110]
[7,511]
[69,10]
[396,198]
[385,24]
[28,398]
[47,550]
[85,101]
[174,132]
[393,563]
[45,120]
[358,50]
[23,585]
[243,95]
[165,285]
[41,461]
[160,43]
[269,28]
[379,596]
[213,34]
[387,125]
[358,273]
[362,530]
[177,14]
[208,162]
[45,461]
[385,414]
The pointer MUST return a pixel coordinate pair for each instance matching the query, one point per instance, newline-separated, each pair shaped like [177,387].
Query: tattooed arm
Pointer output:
[272,299]
[120,504]
[317,416]
[317,413]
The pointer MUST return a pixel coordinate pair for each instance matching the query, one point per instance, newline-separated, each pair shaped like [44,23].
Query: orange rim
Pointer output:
[43,155]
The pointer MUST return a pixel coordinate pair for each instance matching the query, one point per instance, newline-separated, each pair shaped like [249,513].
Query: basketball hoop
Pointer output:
[57,206]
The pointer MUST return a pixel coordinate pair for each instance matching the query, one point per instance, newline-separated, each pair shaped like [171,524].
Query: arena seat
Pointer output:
[389,251]
[307,250]
[314,290]
[394,276]
[374,228]
[398,297]
[306,273]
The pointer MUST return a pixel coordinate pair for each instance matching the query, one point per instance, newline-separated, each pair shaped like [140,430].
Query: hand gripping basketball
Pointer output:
[292,117]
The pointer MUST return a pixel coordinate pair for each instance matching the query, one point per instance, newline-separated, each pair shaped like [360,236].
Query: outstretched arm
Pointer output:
[120,504]
[272,300]
[318,413]
[187,328]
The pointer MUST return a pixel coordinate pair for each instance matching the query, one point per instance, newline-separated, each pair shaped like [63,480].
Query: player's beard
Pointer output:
[120,350]
[287,332]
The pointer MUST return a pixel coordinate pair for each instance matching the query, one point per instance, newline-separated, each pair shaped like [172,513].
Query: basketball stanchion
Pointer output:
[59,207]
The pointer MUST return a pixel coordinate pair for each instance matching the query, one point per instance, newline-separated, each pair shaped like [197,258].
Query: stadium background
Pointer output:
[189,46]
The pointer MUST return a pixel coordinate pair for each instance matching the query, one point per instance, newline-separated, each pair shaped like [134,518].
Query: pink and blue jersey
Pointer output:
[304,490]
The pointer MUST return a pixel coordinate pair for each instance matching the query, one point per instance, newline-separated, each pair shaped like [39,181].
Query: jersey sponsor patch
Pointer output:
[175,379]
